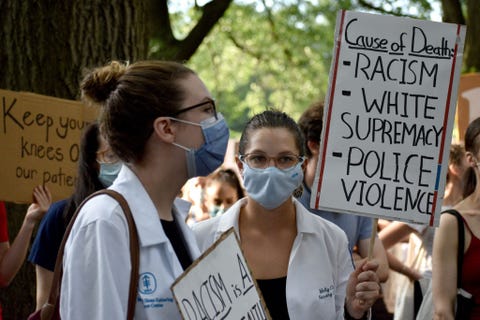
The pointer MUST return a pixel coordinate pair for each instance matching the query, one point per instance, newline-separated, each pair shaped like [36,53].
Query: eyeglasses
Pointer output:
[106,156]
[210,107]
[262,161]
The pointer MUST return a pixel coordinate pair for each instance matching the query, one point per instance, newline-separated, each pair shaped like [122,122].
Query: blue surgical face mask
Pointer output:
[271,187]
[203,161]
[109,172]
[216,211]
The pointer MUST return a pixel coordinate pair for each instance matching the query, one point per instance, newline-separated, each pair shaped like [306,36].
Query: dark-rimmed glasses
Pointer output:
[262,161]
[206,102]
[106,156]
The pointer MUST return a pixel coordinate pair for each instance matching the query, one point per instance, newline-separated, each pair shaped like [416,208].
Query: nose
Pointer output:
[272,162]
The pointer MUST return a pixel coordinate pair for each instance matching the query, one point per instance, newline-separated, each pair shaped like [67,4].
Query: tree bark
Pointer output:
[46,45]
[472,44]
[452,11]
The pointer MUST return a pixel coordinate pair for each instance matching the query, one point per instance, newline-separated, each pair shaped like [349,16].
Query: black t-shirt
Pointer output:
[175,235]
[274,294]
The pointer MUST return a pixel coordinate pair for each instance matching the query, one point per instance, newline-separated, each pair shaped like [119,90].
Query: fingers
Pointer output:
[367,288]
[370,265]
[367,293]
[42,197]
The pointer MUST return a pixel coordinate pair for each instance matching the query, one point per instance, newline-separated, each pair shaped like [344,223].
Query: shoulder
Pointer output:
[56,210]
[53,219]
[318,226]
[448,220]
[101,209]
[205,232]
[58,205]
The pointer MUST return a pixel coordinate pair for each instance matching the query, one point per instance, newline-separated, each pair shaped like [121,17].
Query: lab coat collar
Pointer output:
[305,218]
[231,217]
[150,230]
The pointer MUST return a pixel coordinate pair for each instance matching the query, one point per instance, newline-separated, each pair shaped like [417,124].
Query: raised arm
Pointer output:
[392,234]
[12,257]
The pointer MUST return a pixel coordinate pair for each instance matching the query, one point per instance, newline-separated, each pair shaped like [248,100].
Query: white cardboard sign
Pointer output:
[219,285]
[388,117]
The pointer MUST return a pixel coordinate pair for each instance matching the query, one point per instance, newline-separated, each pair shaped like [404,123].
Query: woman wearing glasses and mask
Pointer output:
[97,167]
[301,262]
[160,120]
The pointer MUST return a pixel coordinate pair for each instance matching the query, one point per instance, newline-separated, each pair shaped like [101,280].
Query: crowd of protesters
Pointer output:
[161,138]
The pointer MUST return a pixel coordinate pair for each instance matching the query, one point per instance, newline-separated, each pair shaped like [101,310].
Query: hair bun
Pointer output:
[99,83]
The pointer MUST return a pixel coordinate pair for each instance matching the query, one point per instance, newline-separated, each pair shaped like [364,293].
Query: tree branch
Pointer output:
[275,36]
[212,12]
[242,47]
[159,24]
[370,6]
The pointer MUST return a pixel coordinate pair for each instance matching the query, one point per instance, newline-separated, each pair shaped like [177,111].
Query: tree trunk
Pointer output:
[452,12]
[472,46]
[45,47]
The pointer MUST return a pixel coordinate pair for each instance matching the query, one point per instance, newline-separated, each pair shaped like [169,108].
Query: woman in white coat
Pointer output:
[301,262]
[160,120]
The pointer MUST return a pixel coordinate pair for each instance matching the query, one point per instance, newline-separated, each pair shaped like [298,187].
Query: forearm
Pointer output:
[44,283]
[398,266]
[355,313]
[13,259]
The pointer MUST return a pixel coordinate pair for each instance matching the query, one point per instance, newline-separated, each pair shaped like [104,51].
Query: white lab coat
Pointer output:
[97,264]
[319,266]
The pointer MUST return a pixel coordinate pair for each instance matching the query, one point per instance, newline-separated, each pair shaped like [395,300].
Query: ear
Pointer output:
[313,146]
[163,129]
[239,165]
[471,160]
[305,164]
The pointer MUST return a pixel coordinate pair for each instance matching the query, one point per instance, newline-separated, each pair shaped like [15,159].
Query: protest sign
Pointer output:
[39,143]
[388,117]
[219,285]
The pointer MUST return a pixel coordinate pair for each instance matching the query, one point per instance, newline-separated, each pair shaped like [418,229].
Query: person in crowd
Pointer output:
[445,244]
[396,231]
[193,192]
[419,266]
[301,262]
[161,122]
[13,256]
[357,228]
[97,168]
[222,190]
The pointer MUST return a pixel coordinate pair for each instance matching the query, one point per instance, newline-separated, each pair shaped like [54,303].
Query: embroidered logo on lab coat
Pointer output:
[147,283]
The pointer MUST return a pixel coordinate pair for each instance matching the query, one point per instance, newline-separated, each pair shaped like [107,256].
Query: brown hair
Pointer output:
[472,144]
[272,119]
[457,154]
[311,123]
[229,177]
[132,97]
